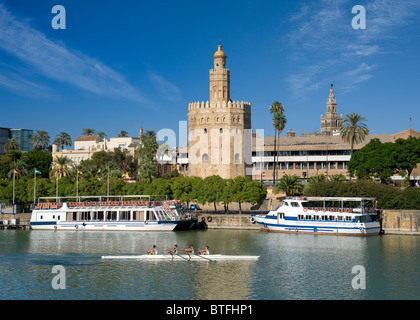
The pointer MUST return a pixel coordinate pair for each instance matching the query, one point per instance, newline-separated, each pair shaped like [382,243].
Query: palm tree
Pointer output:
[62,164]
[41,138]
[289,184]
[63,139]
[122,134]
[11,144]
[20,167]
[88,131]
[101,134]
[279,121]
[354,130]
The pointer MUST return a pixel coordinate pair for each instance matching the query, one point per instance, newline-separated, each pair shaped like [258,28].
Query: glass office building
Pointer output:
[23,137]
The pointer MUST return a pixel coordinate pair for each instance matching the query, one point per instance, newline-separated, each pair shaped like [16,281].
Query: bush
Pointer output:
[388,197]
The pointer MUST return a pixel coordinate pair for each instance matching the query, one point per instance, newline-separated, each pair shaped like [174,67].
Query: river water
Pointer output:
[291,266]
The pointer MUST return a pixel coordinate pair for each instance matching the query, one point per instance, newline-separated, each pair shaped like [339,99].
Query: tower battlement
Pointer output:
[218,105]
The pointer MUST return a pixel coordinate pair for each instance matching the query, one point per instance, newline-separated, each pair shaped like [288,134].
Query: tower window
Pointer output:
[205,131]
[205,158]
[220,130]
[237,158]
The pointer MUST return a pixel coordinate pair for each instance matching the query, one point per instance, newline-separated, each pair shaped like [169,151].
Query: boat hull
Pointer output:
[105,225]
[161,257]
[343,228]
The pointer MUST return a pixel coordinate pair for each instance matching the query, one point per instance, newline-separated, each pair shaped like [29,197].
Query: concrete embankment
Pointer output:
[393,221]
[229,221]
[401,222]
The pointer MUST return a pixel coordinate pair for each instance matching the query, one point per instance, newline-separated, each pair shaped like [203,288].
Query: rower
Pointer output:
[173,250]
[205,251]
[190,250]
[153,251]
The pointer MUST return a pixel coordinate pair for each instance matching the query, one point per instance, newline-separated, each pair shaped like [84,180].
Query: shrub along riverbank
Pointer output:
[388,196]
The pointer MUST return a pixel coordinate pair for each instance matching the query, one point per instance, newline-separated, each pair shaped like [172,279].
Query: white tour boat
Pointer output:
[195,257]
[125,214]
[322,215]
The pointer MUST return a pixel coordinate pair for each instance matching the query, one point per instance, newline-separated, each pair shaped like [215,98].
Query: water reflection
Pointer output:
[291,266]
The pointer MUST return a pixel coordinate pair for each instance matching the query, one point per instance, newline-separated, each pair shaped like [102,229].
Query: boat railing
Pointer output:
[366,210]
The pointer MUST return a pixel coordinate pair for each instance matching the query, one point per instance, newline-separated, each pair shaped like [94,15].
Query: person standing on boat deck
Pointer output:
[205,251]
[153,251]
[173,250]
[190,250]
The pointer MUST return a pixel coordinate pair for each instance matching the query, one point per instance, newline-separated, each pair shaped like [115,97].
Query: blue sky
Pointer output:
[122,64]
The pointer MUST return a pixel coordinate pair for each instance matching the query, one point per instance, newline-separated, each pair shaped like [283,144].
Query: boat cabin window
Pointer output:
[332,218]
[111,215]
[308,217]
[150,215]
[294,204]
[280,215]
[125,215]
[348,218]
[316,217]
[300,216]
[286,204]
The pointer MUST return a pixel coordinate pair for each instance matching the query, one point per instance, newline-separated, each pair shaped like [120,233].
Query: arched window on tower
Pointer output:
[220,130]
[237,158]
[205,158]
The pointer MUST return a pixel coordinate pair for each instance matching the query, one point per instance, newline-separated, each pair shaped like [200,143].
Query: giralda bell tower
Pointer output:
[219,130]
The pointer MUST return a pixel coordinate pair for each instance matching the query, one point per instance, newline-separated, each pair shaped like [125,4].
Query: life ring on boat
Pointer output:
[252,220]
[305,209]
[93,204]
[324,209]
[203,219]
[340,210]
[209,219]
[347,210]
[316,209]
[332,210]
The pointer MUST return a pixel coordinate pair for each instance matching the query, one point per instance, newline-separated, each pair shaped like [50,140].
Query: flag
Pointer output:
[15,172]
[79,171]
[37,172]
[59,171]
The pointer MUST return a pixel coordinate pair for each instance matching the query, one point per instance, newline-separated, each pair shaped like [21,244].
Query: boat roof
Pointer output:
[356,199]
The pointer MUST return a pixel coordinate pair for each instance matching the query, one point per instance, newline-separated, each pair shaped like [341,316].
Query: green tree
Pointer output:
[61,163]
[122,134]
[40,139]
[88,131]
[243,189]
[279,122]
[147,156]
[374,160]
[38,159]
[354,130]
[406,156]
[11,144]
[213,188]
[289,184]
[63,139]
[181,189]
[101,134]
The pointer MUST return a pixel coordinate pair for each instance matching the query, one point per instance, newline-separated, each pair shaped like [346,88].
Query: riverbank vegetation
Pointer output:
[212,190]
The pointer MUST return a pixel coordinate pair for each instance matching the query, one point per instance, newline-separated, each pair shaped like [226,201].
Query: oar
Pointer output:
[183,257]
[199,255]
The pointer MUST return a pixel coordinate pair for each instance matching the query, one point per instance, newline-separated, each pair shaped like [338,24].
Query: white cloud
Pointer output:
[57,62]
[164,87]
[321,34]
